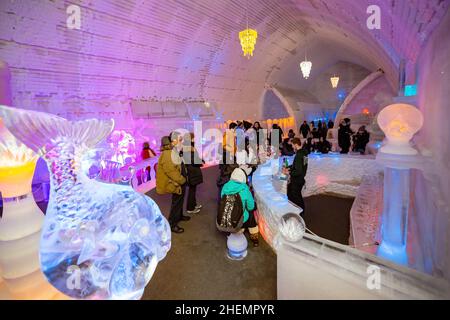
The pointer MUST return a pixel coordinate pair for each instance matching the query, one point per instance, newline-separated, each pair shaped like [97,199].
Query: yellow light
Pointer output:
[248,40]
[334,81]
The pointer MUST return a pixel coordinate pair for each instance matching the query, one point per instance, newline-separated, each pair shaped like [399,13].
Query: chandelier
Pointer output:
[334,81]
[248,41]
[306,66]
[248,38]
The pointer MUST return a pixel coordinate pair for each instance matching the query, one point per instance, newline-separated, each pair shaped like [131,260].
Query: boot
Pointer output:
[255,239]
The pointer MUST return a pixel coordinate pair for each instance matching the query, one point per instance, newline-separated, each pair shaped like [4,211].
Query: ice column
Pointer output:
[399,122]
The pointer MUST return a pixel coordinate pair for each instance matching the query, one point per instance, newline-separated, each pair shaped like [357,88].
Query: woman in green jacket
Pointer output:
[238,184]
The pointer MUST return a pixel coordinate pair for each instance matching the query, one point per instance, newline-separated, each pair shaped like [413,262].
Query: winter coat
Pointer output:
[360,140]
[344,134]
[304,129]
[169,177]
[193,166]
[233,187]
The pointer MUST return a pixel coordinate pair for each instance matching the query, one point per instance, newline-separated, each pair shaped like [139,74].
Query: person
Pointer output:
[287,149]
[304,129]
[308,144]
[257,127]
[240,137]
[324,131]
[194,173]
[225,171]
[319,126]
[238,184]
[311,126]
[147,153]
[291,134]
[344,134]
[360,140]
[297,173]
[171,179]
[323,146]
[330,124]
[229,143]
[315,133]
[275,127]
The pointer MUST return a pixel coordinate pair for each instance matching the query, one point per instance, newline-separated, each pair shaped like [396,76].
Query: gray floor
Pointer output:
[196,267]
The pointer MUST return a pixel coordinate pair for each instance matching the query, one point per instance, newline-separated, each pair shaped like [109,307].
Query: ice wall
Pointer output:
[432,188]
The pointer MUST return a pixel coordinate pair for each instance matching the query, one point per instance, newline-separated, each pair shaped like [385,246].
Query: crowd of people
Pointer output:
[179,166]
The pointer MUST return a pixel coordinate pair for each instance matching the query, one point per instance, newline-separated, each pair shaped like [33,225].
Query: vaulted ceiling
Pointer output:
[189,49]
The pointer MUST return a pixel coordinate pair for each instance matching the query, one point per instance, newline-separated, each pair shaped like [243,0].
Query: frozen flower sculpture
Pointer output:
[99,241]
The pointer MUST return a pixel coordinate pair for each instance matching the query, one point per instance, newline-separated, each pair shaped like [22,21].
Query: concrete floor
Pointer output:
[196,267]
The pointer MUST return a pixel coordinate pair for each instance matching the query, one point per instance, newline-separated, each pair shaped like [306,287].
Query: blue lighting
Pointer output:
[341,94]
[410,90]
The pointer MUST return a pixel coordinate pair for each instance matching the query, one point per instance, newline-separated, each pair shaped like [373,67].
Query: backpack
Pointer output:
[230,216]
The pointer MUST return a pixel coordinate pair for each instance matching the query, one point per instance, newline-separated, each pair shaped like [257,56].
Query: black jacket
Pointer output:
[193,166]
[299,166]
[361,139]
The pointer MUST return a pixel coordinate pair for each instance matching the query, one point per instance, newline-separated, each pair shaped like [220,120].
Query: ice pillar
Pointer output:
[399,122]
[395,215]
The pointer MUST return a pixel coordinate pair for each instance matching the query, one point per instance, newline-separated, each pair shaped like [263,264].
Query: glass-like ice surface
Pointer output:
[99,241]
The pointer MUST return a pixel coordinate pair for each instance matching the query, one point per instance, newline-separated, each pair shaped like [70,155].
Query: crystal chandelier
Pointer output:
[248,41]
[334,81]
[248,38]
[306,66]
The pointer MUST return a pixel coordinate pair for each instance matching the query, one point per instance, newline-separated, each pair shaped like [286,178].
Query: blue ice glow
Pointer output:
[395,216]
[341,94]
[99,241]
[411,90]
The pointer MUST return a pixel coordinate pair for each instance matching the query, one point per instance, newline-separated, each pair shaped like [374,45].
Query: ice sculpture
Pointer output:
[399,122]
[99,241]
[292,227]
[21,222]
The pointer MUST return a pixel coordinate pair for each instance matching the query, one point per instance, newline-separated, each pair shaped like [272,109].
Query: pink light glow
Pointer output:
[322,180]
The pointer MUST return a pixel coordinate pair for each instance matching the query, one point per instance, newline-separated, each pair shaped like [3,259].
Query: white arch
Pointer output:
[366,81]
[283,100]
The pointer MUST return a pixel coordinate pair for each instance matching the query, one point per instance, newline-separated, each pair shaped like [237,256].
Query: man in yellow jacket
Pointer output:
[171,179]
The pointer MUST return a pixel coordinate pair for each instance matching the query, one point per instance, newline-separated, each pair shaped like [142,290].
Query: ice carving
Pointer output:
[292,227]
[99,241]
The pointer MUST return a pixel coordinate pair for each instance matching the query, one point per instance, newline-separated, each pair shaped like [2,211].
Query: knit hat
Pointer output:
[246,169]
[239,175]
[165,141]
